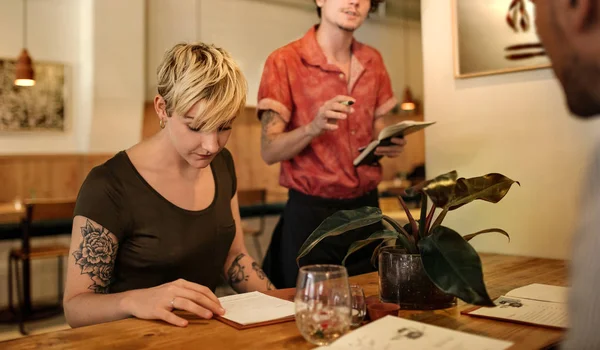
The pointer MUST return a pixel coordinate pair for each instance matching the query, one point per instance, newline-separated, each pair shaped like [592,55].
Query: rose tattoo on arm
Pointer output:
[96,256]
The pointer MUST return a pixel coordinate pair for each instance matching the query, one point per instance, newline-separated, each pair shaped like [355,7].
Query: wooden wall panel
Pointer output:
[150,125]
[44,176]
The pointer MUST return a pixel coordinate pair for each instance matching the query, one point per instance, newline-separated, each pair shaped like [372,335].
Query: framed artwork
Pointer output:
[495,36]
[36,108]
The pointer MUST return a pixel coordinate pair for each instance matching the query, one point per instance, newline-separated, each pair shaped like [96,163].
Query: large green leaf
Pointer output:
[454,266]
[416,189]
[490,188]
[338,223]
[473,235]
[439,189]
[373,237]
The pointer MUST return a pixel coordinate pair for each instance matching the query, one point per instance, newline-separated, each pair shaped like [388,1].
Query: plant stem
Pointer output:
[396,226]
[422,219]
[413,223]
[439,219]
[429,218]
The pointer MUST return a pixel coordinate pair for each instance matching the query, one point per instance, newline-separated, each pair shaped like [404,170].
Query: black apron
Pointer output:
[301,216]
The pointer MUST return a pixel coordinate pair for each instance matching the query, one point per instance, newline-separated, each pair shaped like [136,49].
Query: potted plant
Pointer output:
[437,263]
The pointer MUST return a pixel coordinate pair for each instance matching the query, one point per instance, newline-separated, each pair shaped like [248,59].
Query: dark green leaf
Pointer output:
[473,235]
[490,188]
[373,237]
[440,189]
[454,266]
[338,223]
[414,190]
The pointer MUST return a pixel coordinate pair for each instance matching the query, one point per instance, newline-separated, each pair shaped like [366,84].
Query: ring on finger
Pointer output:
[173,303]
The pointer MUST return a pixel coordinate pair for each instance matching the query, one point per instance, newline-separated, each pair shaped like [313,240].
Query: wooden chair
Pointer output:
[254,197]
[37,211]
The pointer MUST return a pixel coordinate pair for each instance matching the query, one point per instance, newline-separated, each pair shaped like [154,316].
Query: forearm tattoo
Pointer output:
[268,119]
[261,274]
[236,272]
[96,256]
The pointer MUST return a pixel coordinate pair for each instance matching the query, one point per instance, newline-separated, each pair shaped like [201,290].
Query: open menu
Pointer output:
[256,309]
[398,333]
[367,155]
[534,304]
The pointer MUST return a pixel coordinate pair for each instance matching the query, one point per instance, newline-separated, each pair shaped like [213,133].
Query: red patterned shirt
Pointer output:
[297,80]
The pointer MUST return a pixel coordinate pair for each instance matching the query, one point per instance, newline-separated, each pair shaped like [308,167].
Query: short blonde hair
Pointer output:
[192,73]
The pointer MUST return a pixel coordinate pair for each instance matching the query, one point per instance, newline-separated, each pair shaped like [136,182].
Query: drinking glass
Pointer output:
[359,305]
[323,303]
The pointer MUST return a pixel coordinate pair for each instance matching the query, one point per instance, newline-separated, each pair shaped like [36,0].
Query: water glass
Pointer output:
[359,305]
[323,303]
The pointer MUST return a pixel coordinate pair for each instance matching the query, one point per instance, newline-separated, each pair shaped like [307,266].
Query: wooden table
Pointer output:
[502,274]
[25,214]
[11,212]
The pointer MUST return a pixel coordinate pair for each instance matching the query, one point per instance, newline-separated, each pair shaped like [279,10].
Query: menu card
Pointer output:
[534,304]
[255,309]
[398,333]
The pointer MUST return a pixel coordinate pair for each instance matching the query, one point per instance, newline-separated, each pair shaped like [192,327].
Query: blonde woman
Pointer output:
[158,224]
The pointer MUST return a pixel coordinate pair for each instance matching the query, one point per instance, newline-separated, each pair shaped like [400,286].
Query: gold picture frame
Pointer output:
[39,108]
[495,37]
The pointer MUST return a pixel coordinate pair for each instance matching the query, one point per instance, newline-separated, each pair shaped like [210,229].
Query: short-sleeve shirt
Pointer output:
[297,80]
[160,242]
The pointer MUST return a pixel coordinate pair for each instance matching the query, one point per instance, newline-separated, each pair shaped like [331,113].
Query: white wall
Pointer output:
[119,66]
[515,124]
[251,30]
[101,43]
[167,24]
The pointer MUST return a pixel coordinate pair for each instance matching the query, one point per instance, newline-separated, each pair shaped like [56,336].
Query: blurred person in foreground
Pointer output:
[570,33]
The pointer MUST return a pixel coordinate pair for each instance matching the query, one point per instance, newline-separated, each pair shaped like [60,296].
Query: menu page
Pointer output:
[255,307]
[398,333]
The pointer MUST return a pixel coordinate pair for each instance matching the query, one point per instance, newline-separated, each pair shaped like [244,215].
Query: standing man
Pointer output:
[320,100]
[570,32]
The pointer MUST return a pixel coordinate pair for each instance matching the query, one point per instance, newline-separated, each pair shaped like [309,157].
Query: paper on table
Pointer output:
[255,307]
[541,313]
[398,333]
[541,292]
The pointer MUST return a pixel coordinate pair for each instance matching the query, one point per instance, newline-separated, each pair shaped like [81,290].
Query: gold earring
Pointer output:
[162,123]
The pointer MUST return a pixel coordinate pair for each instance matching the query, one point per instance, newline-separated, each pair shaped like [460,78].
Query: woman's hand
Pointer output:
[160,302]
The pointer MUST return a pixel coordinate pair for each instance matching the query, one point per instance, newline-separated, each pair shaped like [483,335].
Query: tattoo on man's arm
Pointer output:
[269,119]
[96,256]
[236,272]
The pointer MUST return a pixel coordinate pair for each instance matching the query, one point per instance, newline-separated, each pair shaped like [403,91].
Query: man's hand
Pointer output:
[328,115]
[393,150]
